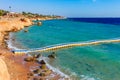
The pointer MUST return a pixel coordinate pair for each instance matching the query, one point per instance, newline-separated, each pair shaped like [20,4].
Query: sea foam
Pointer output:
[9,43]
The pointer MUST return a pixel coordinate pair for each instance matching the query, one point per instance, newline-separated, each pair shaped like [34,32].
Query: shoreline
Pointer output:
[9,56]
[55,72]
[14,65]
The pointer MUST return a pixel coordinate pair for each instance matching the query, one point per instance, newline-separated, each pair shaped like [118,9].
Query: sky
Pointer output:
[67,8]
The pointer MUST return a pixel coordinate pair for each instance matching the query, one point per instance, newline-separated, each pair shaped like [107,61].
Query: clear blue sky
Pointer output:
[68,8]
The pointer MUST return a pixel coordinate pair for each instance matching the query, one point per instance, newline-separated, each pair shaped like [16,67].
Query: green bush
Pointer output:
[3,12]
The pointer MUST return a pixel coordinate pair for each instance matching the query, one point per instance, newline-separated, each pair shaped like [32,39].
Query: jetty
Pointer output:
[64,45]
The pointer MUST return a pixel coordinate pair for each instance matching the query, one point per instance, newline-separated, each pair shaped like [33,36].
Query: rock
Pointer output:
[25,30]
[37,55]
[37,71]
[23,20]
[29,59]
[47,72]
[30,74]
[35,79]
[42,62]
[13,39]
[53,55]
[42,74]
[43,66]
[38,23]
[13,51]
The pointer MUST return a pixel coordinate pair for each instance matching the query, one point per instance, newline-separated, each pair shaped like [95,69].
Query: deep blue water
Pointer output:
[115,21]
[95,62]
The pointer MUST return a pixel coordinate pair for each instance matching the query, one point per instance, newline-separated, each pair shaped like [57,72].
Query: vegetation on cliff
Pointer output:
[28,14]
[36,15]
[3,12]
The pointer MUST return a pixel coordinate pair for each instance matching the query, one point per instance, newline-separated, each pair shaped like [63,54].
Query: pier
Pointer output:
[64,45]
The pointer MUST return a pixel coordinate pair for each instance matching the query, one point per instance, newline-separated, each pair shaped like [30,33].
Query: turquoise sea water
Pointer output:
[95,62]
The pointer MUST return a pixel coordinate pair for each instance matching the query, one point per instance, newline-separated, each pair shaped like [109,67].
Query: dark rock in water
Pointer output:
[88,65]
[25,30]
[37,55]
[88,69]
[38,23]
[42,62]
[13,39]
[79,62]
[53,55]
[37,20]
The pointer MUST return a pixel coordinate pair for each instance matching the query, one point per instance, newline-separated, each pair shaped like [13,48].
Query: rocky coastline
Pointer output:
[21,67]
[13,69]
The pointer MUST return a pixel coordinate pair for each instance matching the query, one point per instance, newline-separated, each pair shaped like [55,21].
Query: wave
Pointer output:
[83,77]
[9,43]
[54,69]
[70,75]
[11,46]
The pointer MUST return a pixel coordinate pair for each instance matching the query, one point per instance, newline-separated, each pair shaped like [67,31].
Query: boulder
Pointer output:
[42,62]
[53,55]
[37,55]
[25,30]
[30,74]
[35,79]
[38,23]
[43,66]
[29,59]
[37,71]
[42,74]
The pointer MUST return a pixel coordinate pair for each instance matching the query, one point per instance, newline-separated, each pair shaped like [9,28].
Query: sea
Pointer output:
[91,62]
